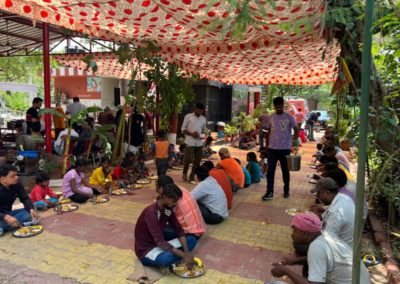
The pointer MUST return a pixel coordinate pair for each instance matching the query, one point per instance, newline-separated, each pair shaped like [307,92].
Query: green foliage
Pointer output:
[174,86]
[244,123]
[16,101]
[231,130]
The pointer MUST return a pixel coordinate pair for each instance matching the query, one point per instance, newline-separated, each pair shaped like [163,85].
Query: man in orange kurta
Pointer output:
[59,121]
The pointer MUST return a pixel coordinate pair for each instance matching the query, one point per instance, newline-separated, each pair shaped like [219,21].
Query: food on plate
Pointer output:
[295,211]
[143,181]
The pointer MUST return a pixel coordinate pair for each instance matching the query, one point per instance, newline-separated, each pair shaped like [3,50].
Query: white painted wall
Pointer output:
[107,91]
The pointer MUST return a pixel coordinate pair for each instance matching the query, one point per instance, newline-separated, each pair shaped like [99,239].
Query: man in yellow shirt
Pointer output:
[101,177]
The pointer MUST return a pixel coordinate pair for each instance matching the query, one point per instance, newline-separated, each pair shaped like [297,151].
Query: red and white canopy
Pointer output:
[266,54]
[107,64]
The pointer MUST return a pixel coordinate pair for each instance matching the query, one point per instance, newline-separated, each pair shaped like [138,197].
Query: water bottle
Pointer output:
[94,200]
[59,209]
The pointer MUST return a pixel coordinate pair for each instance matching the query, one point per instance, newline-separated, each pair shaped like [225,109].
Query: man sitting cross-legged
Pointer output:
[210,197]
[150,245]
[329,259]
[10,189]
[186,211]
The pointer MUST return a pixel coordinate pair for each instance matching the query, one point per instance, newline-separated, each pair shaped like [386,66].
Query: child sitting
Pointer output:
[123,177]
[253,167]
[141,167]
[318,154]
[247,177]
[101,177]
[247,142]
[161,151]
[207,151]
[40,191]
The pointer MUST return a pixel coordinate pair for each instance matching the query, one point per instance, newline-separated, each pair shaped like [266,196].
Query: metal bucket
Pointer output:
[294,163]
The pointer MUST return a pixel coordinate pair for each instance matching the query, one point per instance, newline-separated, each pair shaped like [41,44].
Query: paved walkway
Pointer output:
[95,243]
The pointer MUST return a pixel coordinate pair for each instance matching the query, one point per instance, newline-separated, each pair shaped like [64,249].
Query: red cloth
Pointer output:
[223,181]
[303,136]
[39,193]
[118,172]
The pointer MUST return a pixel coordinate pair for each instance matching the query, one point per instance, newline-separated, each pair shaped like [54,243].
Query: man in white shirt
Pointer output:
[59,144]
[338,218]
[329,259]
[75,107]
[210,197]
[194,128]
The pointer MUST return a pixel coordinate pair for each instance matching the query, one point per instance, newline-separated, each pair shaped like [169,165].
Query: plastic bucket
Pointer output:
[294,163]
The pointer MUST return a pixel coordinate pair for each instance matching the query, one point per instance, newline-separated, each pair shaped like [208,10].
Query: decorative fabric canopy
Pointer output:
[107,64]
[185,31]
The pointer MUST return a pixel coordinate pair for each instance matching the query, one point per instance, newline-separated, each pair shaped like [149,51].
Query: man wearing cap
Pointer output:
[194,128]
[338,219]
[279,137]
[329,259]
[231,168]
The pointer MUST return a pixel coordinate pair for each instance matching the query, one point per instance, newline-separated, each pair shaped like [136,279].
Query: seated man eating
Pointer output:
[150,246]
[329,259]
[10,189]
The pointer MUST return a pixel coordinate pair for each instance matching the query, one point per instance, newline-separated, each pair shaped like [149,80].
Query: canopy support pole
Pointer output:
[257,99]
[47,94]
[362,145]
[248,103]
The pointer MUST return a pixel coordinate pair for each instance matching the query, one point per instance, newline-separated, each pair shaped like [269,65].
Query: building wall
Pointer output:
[107,91]
[76,86]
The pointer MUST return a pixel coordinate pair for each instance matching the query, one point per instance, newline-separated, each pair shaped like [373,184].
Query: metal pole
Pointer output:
[362,145]
[248,103]
[47,94]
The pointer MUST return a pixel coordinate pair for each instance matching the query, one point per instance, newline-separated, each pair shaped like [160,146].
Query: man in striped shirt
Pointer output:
[186,211]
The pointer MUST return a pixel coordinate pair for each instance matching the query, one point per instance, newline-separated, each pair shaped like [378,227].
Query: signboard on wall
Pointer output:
[93,84]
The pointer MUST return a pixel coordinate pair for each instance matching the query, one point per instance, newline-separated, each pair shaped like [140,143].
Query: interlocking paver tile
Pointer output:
[68,257]
[253,233]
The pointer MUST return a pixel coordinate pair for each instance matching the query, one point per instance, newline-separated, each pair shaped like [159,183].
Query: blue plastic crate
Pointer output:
[28,154]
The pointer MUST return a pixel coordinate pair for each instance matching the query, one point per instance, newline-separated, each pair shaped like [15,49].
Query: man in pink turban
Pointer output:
[329,259]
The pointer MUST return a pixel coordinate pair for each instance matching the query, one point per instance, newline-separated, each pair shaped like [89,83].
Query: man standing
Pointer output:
[194,127]
[312,119]
[32,114]
[151,248]
[299,117]
[279,139]
[59,120]
[75,107]
[263,123]
[329,259]
[10,189]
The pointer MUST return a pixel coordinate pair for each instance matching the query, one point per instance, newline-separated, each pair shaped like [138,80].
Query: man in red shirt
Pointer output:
[150,245]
